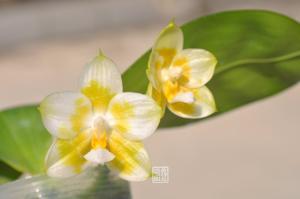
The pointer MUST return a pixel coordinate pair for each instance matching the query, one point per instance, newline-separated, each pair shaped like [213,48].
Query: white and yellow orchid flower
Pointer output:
[99,125]
[178,77]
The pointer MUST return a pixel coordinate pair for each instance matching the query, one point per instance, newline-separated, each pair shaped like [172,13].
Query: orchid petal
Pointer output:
[66,114]
[66,157]
[100,82]
[168,44]
[133,115]
[131,160]
[197,67]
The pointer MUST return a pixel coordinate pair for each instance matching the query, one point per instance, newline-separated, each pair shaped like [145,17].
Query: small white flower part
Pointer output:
[185,97]
[99,156]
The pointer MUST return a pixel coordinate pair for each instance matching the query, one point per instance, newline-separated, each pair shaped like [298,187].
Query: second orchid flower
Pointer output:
[178,77]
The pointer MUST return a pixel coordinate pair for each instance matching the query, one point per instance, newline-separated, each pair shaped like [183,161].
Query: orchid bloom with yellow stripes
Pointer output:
[99,125]
[178,76]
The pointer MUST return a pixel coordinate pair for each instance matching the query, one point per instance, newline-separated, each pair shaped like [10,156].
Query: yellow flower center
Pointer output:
[174,78]
[171,74]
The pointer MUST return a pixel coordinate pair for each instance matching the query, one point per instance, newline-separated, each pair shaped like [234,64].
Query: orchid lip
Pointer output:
[101,132]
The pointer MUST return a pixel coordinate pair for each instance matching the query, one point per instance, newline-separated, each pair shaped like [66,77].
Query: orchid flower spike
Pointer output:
[99,125]
[177,77]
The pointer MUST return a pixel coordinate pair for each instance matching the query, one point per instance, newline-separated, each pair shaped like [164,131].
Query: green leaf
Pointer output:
[97,182]
[24,140]
[7,173]
[258,56]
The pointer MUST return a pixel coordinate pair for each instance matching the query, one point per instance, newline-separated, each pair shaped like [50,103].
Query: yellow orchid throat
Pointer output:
[99,139]
[99,125]
[178,76]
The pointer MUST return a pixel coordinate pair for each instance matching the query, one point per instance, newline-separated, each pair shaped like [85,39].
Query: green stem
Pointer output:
[257,61]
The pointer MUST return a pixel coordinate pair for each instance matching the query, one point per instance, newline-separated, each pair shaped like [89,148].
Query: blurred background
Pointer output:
[252,152]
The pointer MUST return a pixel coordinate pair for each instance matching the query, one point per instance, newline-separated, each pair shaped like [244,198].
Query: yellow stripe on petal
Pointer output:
[131,160]
[101,81]
[66,114]
[66,157]
[203,106]
[133,115]
[99,96]
[121,113]
[81,114]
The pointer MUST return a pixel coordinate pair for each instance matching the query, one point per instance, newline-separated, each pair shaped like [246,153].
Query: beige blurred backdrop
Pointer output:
[252,152]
